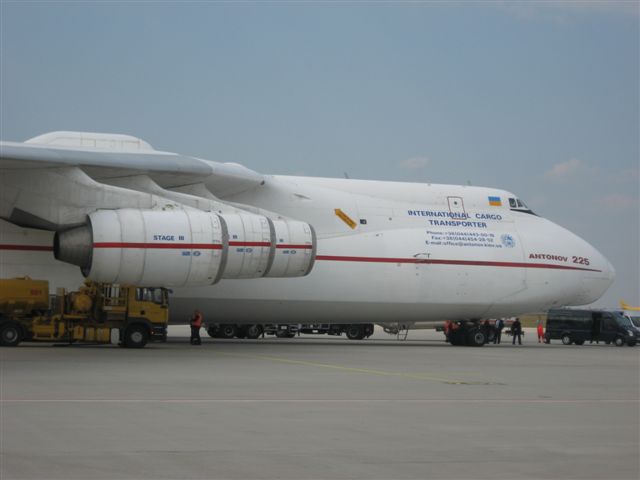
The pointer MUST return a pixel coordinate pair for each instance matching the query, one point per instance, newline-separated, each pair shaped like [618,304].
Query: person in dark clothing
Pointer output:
[516,330]
[488,331]
[499,327]
[196,324]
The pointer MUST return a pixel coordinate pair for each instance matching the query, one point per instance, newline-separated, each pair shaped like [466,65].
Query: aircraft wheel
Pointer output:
[284,334]
[618,342]
[476,338]
[457,337]
[10,334]
[253,331]
[566,339]
[136,336]
[355,332]
[228,331]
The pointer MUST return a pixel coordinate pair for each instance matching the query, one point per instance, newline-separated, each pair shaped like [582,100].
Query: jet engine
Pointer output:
[185,247]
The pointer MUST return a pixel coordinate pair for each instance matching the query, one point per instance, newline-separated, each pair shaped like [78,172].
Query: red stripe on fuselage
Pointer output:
[471,263]
[332,258]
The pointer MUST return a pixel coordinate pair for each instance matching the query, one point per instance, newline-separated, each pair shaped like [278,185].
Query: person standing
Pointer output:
[540,328]
[516,330]
[196,324]
[499,327]
[489,332]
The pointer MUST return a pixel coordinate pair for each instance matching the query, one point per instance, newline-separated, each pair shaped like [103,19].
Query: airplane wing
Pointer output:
[126,213]
[106,155]
[54,166]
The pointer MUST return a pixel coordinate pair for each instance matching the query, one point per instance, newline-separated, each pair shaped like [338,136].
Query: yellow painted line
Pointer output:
[366,371]
[345,218]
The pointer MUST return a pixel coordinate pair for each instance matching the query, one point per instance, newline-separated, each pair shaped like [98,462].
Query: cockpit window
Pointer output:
[518,205]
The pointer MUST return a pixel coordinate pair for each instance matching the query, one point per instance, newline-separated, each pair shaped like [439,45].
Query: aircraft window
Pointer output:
[519,206]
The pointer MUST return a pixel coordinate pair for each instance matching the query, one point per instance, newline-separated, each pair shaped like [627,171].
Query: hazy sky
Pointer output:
[535,97]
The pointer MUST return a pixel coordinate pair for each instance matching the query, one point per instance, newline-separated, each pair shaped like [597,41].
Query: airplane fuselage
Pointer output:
[386,251]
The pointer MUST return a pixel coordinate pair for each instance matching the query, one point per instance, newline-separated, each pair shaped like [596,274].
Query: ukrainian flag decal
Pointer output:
[495,201]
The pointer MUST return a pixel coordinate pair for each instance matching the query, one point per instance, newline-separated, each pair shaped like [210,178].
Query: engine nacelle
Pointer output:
[295,250]
[250,245]
[185,247]
[147,247]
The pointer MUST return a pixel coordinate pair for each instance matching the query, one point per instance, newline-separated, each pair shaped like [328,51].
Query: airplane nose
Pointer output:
[597,281]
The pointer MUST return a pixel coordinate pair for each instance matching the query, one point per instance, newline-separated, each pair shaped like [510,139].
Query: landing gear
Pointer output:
[476,337]
[284,334]
[252,331]
[355,332]
[463,333]
[228,331]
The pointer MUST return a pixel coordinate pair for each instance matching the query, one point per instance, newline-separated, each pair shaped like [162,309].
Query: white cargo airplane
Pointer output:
[247,248]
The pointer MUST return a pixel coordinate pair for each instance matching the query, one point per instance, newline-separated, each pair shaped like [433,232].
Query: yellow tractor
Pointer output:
[97,313]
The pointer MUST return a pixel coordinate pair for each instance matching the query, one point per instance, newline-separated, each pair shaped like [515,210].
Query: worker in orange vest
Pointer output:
[196,324]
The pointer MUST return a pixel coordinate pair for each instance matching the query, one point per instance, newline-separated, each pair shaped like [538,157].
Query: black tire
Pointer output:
[213,332]
[228,331]
[456,338]
[476,337]
[10,334]
[579,342]
[355,332]
[619,342]
[566,339]
[632,343]
[136,336]
[252,331]
[284,334]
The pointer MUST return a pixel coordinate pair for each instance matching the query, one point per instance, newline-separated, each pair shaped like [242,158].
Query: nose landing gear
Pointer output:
[466,333]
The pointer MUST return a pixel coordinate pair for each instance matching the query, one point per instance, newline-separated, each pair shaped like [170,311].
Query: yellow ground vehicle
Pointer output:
[96,313]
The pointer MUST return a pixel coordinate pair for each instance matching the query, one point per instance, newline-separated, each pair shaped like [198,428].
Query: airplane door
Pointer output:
[456,205]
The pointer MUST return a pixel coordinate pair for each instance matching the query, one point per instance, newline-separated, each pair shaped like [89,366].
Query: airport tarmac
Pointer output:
[320,408]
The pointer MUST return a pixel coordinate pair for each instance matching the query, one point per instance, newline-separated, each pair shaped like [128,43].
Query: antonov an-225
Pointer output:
[248,248]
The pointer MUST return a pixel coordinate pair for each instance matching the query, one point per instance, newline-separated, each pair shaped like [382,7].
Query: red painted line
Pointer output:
[30,248]
[332,258]
[472,263]
[249,244]
[199,246]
